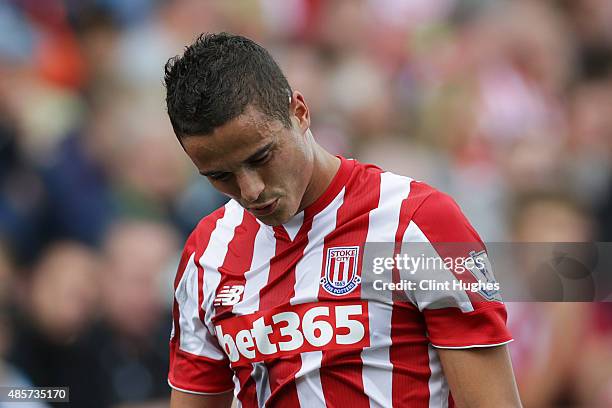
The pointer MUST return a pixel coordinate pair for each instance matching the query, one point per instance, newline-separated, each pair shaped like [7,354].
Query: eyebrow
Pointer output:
[251,158]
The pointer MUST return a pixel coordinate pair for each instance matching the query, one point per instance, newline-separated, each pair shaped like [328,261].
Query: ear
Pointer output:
[299,111]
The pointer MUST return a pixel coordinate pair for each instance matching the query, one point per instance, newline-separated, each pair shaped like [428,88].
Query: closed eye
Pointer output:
[258,159]
[262,159]
[219,176]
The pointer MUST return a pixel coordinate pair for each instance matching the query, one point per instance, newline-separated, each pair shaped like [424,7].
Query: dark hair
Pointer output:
[217,77]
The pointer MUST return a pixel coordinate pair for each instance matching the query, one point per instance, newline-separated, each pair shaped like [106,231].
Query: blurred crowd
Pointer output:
[505,105]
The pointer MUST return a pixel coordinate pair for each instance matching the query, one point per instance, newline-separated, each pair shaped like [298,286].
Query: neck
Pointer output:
[325,167]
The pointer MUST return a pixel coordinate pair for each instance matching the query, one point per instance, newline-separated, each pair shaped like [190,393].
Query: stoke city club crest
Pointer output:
[341,275]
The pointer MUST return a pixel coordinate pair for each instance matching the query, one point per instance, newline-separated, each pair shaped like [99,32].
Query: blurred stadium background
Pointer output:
[506,105]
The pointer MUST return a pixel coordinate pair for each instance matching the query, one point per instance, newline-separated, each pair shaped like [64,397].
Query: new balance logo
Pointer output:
[229,295]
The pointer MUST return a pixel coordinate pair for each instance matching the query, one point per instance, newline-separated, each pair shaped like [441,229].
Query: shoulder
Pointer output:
[438,215]
[225,217]
[420,197]
[212,231]
[430,202]
[419,193]
[367,179]
[434,212]
[364,172]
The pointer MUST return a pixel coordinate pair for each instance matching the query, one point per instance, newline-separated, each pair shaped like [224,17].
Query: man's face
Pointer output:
[258,162]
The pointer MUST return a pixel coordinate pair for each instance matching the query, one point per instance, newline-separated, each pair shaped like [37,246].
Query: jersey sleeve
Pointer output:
[457,318]
[197,363]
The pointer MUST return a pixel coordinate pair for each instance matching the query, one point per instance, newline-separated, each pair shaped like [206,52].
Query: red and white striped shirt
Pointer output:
[254,310]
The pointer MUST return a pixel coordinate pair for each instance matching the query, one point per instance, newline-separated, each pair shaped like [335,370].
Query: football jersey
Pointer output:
[279,314]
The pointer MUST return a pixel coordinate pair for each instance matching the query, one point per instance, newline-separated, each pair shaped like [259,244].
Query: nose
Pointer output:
[250,183]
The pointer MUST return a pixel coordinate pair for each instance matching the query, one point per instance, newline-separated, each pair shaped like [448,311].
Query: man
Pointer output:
[257,309]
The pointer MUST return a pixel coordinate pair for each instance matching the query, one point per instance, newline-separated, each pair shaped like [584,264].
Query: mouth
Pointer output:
[267,209]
